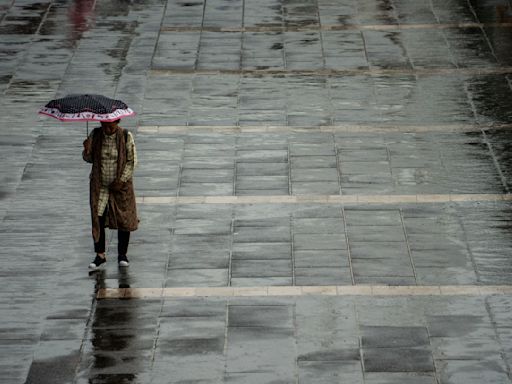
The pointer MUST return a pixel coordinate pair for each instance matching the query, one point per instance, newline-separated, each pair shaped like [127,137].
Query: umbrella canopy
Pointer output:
[86,108]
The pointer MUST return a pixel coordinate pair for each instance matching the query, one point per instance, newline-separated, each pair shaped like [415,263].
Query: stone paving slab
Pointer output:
[419,163]
[340,99]
[287,48]
[358,250]
[231,339]
[182,245]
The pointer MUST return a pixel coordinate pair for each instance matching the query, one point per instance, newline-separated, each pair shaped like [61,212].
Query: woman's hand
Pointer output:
[87,145]
[116,186]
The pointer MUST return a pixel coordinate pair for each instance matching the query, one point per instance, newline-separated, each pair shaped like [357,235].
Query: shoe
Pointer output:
[123,261]
[97,262]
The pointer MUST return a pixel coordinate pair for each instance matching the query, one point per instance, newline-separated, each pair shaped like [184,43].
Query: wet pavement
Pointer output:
[324,192]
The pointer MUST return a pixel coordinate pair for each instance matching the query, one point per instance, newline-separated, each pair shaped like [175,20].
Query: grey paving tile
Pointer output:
[394,337]
[330,371]
[145,319]
[126,340]
[315,188]
[459,326]
[260,316]
[398,360]
[364,155]
[471,371]
[207,176]
[265,169]
[382,268]
[191,345]
[197,277]
[300,149]
[261,222]
[202,227]
[208,163]
[42,368]
[204,212]
[200,243]
[499,308]
[447,242]
[262,182]
[177,327]
[430,225]
[263,192]
[322,276]
[199,259]
[359,217]
[314,174]
[263,156]
[299,162]
[261,281]
[379,234]
[379,250]
[319,242]
[504,335]
[399,378]
[391,312]
[206,189]
[326,258]
[203,367]
[259,377]
[313,315]
[315,344]
[196,308]
[385,280]
[260,349]
[318,225]
[443,275]
[261,268]
[465,348]
[438,258]
[257,251]
[63,329]
[365,167]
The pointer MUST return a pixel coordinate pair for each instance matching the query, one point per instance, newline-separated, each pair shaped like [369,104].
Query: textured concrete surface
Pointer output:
[345,165]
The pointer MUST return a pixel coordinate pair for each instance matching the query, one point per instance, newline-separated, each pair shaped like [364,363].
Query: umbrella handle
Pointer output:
[87,125]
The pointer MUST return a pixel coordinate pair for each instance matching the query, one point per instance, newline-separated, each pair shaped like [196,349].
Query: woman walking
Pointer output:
[111,151]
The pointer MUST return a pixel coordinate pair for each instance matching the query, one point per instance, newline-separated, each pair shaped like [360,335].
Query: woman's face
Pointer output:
[109,127]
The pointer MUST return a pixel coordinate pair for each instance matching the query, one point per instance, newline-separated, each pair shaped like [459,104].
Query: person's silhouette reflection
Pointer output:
[503,13]
[124,278]
[80,15]
[114,354]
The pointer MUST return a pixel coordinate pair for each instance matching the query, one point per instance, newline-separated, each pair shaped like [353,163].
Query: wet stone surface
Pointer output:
[320,164]
[247,340]
[439,71]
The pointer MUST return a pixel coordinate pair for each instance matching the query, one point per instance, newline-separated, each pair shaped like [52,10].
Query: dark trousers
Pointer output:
[123,239]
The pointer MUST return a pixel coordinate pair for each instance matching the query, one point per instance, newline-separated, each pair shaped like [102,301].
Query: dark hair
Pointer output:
[115,121]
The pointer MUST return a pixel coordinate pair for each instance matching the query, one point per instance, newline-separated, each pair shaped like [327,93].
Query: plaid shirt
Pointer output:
[109,166]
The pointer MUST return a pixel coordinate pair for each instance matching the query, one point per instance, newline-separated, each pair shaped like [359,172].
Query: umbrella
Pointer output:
[86,108]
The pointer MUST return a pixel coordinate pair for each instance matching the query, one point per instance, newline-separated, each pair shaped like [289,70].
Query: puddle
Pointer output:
[491,96]
[57,370]
[192,4]
[20,25]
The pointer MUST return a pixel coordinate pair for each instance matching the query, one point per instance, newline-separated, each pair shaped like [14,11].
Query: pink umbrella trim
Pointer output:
[86,116]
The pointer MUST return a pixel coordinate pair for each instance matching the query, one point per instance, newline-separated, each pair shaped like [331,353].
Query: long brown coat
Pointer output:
[121,208]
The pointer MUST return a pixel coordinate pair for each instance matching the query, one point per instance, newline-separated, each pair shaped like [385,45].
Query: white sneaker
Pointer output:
[123,261]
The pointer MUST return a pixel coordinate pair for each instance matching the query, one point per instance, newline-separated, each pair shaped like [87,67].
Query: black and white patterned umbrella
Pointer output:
[86,108]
